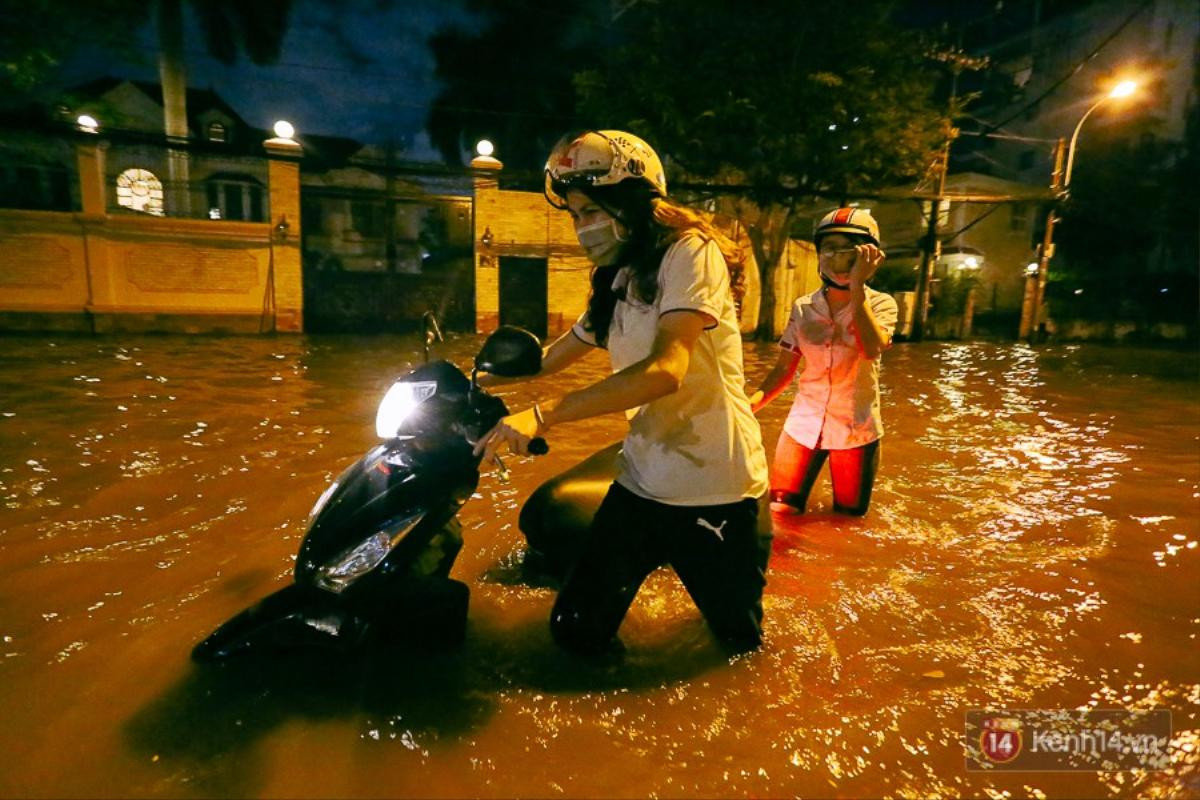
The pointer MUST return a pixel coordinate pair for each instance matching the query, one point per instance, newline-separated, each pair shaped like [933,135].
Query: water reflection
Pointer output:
[1033,542]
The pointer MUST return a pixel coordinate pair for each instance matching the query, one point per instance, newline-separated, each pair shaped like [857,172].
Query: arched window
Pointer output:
[140,190]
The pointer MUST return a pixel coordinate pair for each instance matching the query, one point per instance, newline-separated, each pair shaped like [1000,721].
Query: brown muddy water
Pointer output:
[1032,544]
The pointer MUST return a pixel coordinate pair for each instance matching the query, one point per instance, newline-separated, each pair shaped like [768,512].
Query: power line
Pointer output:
[974,222]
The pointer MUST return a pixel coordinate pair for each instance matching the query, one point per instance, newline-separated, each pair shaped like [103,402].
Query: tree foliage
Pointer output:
[511,81]
[232,27]
[36,36]
[808,97]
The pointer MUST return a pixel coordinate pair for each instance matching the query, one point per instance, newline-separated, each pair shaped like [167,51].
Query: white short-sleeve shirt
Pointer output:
[837,390]
[700,445]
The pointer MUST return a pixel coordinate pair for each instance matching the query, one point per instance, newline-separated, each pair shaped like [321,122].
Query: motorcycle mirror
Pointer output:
[510,352]
[431,332]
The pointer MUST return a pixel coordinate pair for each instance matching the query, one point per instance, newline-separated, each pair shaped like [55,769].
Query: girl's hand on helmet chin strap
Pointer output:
[866,263]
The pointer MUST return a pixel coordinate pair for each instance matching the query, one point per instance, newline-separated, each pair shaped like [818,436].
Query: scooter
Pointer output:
[382,538]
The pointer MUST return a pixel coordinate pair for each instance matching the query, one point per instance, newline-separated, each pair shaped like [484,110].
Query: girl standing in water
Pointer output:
[839,332]
[692,471]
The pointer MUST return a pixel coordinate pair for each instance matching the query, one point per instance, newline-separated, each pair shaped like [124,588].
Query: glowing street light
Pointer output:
[484,147]
[87,123]
[284,129]
[1035,295]
[1121,90]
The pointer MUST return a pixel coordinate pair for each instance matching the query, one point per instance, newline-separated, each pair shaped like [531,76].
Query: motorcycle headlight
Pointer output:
[352,564]
[399,404]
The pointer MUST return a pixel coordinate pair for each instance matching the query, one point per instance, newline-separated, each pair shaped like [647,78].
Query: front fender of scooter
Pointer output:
[295,617]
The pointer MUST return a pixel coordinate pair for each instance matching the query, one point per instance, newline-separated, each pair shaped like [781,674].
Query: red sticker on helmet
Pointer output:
[842,216]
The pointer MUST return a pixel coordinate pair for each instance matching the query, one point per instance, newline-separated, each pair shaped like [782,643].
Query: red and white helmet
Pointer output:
[853,221]
[601,158]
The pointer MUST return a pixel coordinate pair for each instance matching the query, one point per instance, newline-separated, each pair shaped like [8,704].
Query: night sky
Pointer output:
[360,69]
[363,68]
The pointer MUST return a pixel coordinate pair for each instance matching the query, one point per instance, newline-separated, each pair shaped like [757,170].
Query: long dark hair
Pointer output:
[654,224]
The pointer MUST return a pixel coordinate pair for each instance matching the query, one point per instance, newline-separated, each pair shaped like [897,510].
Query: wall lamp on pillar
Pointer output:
[485,156]
[87,123]
[281,228]
[487,238]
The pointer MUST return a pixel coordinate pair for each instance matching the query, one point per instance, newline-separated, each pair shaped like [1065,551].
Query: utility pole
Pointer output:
[931,249]
[1032,309]
[172,73]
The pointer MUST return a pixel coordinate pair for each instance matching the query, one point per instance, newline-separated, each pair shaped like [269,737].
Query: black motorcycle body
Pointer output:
[383,537]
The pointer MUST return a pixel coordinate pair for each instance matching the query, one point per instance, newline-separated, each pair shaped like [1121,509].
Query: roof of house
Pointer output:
[326,150]
[198,100]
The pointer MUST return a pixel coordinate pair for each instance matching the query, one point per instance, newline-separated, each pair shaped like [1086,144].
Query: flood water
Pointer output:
[1032,544]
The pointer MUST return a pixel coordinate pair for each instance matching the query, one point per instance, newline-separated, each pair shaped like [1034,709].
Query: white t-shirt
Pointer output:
[837,392]
[700,445]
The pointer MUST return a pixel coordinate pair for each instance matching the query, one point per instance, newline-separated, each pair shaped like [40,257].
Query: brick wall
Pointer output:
[92,271]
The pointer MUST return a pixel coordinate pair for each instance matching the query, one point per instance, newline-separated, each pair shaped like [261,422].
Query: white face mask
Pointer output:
[828,279]
[602,241]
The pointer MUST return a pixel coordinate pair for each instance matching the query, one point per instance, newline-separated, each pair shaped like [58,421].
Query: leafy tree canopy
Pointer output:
[511,82]
[36,36]
[815,98]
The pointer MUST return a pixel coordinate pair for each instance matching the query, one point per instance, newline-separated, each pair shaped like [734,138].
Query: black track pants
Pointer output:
[719,552]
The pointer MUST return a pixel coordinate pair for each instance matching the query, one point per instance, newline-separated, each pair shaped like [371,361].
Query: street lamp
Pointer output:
[1035,285]
[1121,90]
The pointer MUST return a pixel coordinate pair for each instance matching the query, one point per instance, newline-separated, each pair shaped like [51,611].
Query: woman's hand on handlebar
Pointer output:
[515,430]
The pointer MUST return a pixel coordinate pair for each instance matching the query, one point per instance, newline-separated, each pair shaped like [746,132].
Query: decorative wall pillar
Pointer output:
[487,264]
[286,282]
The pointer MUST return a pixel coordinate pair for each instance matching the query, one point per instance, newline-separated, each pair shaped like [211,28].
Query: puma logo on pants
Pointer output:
[703,523]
